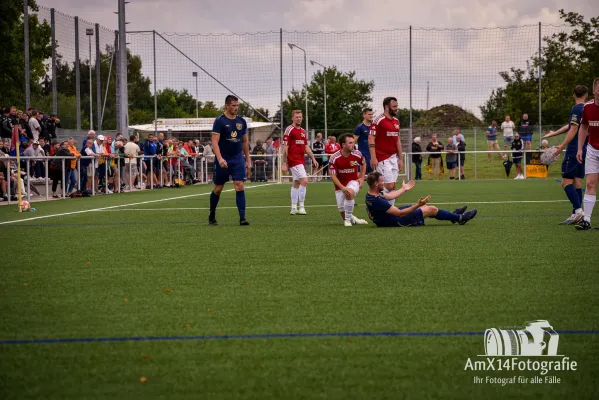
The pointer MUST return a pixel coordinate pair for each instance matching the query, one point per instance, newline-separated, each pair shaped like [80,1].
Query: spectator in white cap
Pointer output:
[417,158]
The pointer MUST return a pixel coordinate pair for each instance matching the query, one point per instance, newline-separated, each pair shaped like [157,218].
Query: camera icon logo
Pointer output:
[537,338]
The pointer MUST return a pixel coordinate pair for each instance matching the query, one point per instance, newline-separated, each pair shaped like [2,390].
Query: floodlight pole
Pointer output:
[291,46]
[90,32]
[195,74]
[324,78]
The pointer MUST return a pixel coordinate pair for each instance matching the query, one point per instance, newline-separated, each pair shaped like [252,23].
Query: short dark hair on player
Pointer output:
[364,111]
[387,101]
[343,137]
[295,112]
[372,178]
[230,98]
[581,91]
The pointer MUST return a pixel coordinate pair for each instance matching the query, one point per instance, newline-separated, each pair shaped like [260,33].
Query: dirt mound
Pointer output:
[447,116]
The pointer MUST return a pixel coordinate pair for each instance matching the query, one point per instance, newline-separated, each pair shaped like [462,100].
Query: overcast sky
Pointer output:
[461,66]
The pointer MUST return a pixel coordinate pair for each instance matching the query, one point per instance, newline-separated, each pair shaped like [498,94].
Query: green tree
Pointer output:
[347,96]
[567,60]
[12,64]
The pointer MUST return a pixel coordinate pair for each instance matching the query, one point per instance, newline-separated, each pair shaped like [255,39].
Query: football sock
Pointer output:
[572,196]
[302,195]
[579,191]
[240,200]
[349,209]
[213,203]
[444,215]
[294,197]
[589,203]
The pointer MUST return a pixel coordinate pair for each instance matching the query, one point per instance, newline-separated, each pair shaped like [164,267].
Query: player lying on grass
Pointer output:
[384,214]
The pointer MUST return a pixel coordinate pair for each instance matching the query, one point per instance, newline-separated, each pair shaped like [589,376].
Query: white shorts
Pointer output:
[298,172]
[591,162]
[389,169]
[340,196]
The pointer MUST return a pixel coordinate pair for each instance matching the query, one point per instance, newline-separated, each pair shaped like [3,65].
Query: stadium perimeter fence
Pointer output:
[422,67]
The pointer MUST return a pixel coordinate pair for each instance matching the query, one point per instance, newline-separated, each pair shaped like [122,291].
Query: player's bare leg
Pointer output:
[590,197]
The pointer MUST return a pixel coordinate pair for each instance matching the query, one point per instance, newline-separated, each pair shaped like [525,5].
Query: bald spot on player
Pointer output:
[385,146]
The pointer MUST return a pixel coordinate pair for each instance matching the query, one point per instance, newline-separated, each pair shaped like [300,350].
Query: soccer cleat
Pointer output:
[347,223]
[358,221]
[293,211]
[243,222]
[467,216]
[583,225]
[212,220]
[460,210]
[302,211]
[568,221]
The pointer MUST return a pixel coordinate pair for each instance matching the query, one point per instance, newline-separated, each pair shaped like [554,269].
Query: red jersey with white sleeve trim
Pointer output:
[296,139]
[332,148]
[590,117]
[345,168]
[386,135]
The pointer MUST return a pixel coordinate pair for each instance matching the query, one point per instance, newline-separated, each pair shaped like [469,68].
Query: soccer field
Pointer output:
[135,296]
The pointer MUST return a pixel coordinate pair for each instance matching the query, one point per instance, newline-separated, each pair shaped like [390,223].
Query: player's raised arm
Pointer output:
[396,193]
[309,151]
[558,132]
[406,211]
[571,133]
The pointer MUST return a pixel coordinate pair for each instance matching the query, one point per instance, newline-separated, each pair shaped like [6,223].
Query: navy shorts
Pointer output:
[518,160]
[571,168]
[413,219]
[235,169]
[526,138]
[452,165]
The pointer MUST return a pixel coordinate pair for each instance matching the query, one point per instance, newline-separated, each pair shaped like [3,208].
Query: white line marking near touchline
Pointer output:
[329,205]
[125,205]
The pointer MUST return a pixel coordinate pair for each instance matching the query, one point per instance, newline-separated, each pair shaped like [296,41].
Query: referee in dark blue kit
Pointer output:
[230,144]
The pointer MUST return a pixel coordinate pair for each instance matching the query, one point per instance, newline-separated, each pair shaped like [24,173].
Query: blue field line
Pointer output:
[263,336]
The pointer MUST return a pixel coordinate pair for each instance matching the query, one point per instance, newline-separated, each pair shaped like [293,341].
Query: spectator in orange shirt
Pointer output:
[71,178]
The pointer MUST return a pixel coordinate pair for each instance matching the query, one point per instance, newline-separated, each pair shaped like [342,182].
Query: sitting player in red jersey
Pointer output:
[343,169]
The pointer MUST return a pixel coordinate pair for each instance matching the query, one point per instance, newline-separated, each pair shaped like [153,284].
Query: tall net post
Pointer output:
[77,75]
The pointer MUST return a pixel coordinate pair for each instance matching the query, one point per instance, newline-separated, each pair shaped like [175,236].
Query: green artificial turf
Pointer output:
[123,272]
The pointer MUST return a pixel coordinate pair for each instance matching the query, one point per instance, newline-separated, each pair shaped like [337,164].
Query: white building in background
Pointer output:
[194,128]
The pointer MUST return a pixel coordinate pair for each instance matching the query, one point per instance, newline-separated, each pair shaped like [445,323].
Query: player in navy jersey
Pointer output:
[384,214]
[230,144]
[572,170]
[361,137]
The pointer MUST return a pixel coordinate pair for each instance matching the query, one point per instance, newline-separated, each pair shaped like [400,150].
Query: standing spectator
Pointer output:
[525,131]
[45,146]
[55,169]
[517,155]
[130,152]
[318,150]
[259,163]
[330,148]
[270,154]
[52,124]
[91,135]
[491,134]
[71,178]
[85,165]
[508,127]
[461,145]
[24,122]
[435,147]
[417,158]
[37,163]
[452,157]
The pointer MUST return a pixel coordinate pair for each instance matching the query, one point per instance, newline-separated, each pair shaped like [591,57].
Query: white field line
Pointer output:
[331,205]
[124,205]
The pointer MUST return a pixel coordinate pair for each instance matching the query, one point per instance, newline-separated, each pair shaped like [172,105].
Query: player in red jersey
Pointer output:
[295,145]
[343,169]
[385,146]
[589,125]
